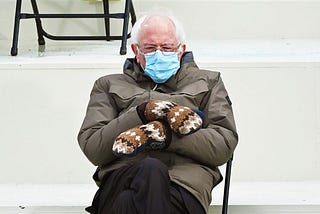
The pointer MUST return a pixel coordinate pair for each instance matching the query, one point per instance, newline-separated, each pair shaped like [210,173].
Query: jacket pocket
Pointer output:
[191,95]
[126,96]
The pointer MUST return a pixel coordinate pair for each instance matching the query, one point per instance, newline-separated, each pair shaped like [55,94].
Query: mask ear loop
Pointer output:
[140,52]
[180,47]
[179,50]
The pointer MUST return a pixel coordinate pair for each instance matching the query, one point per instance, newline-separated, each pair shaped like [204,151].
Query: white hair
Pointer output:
[136,29]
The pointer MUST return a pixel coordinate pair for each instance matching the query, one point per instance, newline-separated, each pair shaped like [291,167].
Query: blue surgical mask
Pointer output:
[160,66]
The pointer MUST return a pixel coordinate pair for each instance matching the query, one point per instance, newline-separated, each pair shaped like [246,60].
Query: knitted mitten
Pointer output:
[154,135]
[181,119]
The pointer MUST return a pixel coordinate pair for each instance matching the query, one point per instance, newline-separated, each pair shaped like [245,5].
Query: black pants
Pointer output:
[144,188]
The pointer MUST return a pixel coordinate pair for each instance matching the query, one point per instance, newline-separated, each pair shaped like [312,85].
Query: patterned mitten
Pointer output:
[182,120]
[154,135]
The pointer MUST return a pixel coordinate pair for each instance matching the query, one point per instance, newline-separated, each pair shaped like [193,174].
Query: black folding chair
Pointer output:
[227,178]
[128,10]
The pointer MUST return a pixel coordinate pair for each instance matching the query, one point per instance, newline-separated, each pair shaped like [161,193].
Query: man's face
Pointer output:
[156,33]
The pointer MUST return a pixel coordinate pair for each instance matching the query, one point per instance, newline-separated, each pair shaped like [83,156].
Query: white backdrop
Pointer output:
[276,104]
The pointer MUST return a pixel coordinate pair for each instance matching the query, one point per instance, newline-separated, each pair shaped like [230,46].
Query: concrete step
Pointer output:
[233,209]
[241,193]
[88,55]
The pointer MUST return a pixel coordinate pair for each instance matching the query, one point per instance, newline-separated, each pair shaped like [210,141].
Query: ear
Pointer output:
[134,49]
[183,49]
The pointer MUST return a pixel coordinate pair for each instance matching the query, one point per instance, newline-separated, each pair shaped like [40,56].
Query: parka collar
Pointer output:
[134,70]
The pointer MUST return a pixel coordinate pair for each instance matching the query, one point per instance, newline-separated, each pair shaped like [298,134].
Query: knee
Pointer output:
[153,164]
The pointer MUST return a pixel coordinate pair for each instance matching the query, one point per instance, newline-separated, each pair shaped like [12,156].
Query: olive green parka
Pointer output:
[192,160]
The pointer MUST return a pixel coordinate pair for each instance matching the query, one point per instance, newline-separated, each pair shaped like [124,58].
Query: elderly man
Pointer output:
[159,131]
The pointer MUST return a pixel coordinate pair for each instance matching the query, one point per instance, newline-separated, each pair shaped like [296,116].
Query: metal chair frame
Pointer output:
[128,10]
[225,203]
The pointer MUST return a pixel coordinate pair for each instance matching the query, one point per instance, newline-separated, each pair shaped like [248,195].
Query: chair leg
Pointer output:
[14,48]
[227,187]
[106,19]
[123,48]
[38,23]
[133,14]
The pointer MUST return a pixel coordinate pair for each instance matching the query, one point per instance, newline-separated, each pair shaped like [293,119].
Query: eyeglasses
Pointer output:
[165,50]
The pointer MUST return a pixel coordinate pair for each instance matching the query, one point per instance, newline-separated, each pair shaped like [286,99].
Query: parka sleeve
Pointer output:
[213,144]
[102,124]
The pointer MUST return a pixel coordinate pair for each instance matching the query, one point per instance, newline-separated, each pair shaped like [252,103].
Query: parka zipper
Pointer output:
[155,87]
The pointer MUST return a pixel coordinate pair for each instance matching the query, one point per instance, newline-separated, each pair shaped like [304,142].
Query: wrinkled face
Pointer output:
[156,32]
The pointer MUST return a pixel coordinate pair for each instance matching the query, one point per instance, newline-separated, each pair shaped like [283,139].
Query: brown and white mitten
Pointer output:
[182,120]
[154,110]
[154,135]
